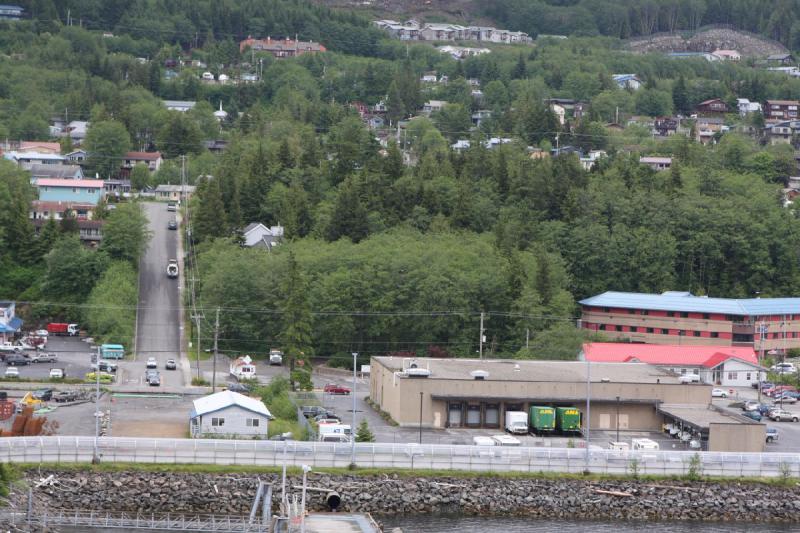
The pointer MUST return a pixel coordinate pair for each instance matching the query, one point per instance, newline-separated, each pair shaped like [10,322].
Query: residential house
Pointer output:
[10,325]
[462,52]
[374,122]
[589,161]
[537,153]
[257,235]
[42,210]
[665,126]
[781,109]
[429,77]
[216,145]
[229,414]
[118,187]
[73,172]
[442,32]
[151,159]
[433,106]
[780,131]
[627,81]
[76,131]
[407,31]
[90,232]
[70,190]
[10,12]
[380,108]
[220,114]
[181,106]
[280,48]
[656,163]
[497,141]
[39,147]
[413,30]
[172,193]
[782,59]
[728,366]
[559,112]
[746,107]
[78,157]
[473,82]
[460,145]
[27,159]
[714,106]
[360,107]
[727,55]
[792,72]
[479,116]
[708,128]
[477,96]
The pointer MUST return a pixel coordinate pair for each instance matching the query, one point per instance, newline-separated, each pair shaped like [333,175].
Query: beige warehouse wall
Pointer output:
[736,437]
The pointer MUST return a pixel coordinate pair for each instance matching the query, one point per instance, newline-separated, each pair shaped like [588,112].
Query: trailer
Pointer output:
[568,420]
[543,419]
[112,351]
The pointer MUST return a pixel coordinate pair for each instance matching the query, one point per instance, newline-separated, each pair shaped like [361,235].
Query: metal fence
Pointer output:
[384,455]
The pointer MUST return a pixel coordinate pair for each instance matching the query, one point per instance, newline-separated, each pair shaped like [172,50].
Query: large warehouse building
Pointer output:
[474,393]
[682,318]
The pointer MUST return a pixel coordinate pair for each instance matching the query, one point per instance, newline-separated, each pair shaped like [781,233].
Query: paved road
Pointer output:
[159,317]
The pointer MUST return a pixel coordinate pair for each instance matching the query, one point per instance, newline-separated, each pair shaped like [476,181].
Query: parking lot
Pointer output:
[74,356]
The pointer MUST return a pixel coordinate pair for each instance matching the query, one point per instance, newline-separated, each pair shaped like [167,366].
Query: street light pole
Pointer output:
[617,418]
[306,470]
[353,429]
[588,408]
[420,417]
[96,453]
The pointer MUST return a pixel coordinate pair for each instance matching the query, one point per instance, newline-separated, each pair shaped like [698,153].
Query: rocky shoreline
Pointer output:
[233,493]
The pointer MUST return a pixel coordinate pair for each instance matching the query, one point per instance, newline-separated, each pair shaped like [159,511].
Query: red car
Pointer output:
[331,388]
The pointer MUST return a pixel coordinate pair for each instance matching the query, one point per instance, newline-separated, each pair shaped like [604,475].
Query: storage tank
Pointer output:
[543,419]
[568,419]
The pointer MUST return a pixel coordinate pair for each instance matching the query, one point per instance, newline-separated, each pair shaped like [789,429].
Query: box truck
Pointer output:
[543,419]
[112,351]
[517,422]
[568,419]
[61,328]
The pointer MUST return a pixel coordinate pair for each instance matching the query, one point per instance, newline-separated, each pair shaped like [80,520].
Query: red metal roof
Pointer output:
[665,354]
[143,156]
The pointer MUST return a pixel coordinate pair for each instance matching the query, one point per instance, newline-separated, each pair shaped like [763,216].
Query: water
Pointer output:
[461,524]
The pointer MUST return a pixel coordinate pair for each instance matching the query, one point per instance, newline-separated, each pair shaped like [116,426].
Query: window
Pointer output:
[649,330]
[634,329]
[714,334]
[602,327]
[684,315]
[645,312]
[682,332]
[618,328]
[665,332]
[732,375]
[74,189]
[748,376]
[217,422]
[706,316]
[683,371]
[696,333]
[606,310]
[631,311]
[696,372]
[252,422]
[670,313]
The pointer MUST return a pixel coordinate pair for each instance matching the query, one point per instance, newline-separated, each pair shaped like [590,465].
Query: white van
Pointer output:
[644,444]
[334,429]
[483,441]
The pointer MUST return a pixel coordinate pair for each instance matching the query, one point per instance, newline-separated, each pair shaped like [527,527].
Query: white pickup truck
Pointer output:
[10,347]
[172,268]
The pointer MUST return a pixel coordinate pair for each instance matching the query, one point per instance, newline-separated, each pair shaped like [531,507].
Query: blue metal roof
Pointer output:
[687,302]
[12,327]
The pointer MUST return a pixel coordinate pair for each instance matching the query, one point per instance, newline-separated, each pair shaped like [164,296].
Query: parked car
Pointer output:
[57,373]
[750,405]
[780,415]
[172,224]
[152,363]
[43,394]
[332,388]
[772,434]
[43,358]
[171,364]
[755,415]
[764,385]
[154,381]
[719,393]
[241,388]
[311,411]
[65,396]
[326,415]
[12,372]
[172,206]
[104,366]
[785,397]
[784,368]
[41,333]
[16,360]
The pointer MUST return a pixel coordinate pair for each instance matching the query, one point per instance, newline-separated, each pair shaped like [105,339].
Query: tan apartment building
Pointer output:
[763,324]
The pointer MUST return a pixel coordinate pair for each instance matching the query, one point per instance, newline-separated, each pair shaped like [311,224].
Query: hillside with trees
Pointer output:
[394,241]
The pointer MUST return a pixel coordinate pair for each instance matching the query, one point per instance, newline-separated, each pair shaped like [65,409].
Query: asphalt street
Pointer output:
[158,333]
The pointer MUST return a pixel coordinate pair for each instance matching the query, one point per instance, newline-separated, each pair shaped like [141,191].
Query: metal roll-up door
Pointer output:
[491,416]
[474,415]
[454,415]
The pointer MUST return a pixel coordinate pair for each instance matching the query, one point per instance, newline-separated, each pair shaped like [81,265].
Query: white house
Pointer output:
[229,414]
[257,235]
[656,163]
[627,81]
[432,106]
[746,106]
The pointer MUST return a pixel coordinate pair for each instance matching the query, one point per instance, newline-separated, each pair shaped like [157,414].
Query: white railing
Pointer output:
[385,455]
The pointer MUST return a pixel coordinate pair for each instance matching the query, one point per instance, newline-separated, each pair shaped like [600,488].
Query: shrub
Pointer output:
[282,407]
[200,382]
[364,434]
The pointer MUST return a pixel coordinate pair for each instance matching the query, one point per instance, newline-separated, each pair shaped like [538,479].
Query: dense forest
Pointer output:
[776,19]
[400,242]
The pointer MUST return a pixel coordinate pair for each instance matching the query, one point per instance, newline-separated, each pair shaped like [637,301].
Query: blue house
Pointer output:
[70,190]
[9,324]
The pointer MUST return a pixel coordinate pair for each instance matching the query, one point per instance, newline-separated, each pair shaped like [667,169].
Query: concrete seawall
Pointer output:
[233,493]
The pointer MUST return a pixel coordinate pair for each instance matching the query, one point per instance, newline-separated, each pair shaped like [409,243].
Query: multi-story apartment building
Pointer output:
[781,109]
[681,318]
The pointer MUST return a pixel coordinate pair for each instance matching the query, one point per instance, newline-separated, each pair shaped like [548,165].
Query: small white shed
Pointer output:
[229,414]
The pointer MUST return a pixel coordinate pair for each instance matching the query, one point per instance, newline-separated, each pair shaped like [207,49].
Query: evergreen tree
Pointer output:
[68,223]
[364,434]
[520,70]
[285,156]
[296,214]
[209,216]
[48,236]
[349,217]
[676,181]
[544,282]
[680,96]
[296,332]
[106,143]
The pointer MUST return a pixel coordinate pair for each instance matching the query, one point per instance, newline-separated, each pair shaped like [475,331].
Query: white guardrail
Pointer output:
[380,455]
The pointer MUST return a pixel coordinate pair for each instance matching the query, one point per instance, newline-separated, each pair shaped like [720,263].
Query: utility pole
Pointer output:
[481,337]
[527,338]
[196,317]
[214,366]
